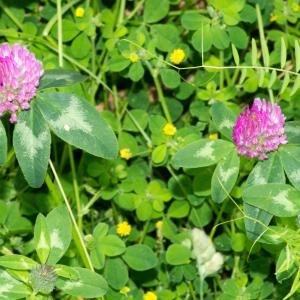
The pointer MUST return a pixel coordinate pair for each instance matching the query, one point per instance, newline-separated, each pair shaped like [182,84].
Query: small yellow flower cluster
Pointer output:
[295,7]
[273,18]
[79,12]
[133,57]
[177,56]
[213,136]
[150,296]
[125,153]
[123,229]
[159,224]
[124,290]
[169,129]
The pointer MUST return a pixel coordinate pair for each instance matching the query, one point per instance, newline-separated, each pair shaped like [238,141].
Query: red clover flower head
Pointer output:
[259,129]
[20,74]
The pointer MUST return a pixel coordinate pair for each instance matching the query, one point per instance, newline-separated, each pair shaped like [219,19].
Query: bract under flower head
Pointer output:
[20,74]
[259,129]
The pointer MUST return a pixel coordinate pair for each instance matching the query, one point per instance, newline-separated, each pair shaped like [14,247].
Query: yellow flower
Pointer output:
[213,136]
[295,7]
[79,12]
[134,57]
[123,229]
[150,296]
[169,129]
[125,153]
[177,56]
[124,290]
[273,18]
[159,224]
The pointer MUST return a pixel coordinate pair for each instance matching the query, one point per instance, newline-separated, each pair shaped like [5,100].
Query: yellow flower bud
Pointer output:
[123,229]
[79,12]
[150,296]
[125,153]
[124,290]
[169,129]
[134,57]
[213,136]
[177,56]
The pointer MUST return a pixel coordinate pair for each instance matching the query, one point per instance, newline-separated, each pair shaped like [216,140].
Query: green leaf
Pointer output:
[220,37]
[87,285]
[225,176]
[267,171]
[159,154]
[3,145]
[202,153]
[17,262]
[238,37]
[290,157]
[253,52]
[81,46]
[201,216]
[177,255]
[285,83]
[140,257]
[296,85]
[70,30]
[170,78]
[272,79]
[263,43]
[192,20]
[165,36]
[178,209]
[235,54]
[111,245]
[118,63]
[11,288]
[116,273]
[205,39]
[60,231]
[224,119]
[155,10]
[281,200]
[75,121]
[297,55]
[135,117]
[136,71]
[42,238]
[55,78]
[32,140]
[282,53]
[285,265]
[292,130]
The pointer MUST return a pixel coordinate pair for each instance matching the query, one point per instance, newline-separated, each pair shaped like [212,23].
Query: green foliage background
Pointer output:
[116,57]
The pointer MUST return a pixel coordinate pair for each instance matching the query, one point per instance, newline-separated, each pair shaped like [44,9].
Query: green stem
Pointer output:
[53,190]
[59,33]
[219,215]
[144,232]
[76,232]
[121,12]
[271,97]
[161,96]
[222,71]
[135,10]
[11,15]
[192,292]
[201,288]
[76,188]
[54,19]
[91,202]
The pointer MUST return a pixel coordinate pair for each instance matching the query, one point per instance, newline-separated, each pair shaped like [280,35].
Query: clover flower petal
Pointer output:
[259,129]
[20,74]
